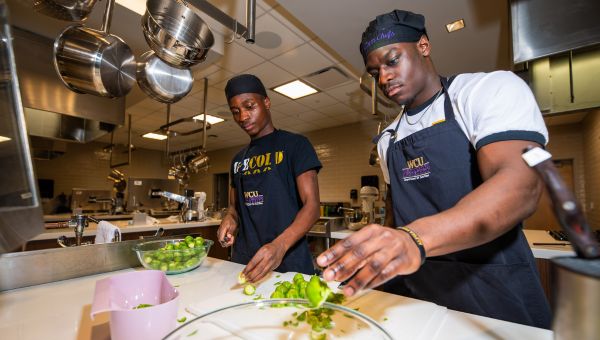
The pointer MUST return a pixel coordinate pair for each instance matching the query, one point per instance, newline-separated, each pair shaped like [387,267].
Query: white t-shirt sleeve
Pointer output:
[382,146]
[500,106]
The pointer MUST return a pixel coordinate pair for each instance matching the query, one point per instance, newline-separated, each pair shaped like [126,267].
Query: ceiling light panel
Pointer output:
[137,6]
[153,135]
[210,119]
[295,89]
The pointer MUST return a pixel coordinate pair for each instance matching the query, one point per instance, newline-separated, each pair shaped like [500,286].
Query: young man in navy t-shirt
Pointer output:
[274,193]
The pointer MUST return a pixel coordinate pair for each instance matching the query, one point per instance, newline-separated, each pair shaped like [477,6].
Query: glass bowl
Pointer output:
[281,319]
[153,255]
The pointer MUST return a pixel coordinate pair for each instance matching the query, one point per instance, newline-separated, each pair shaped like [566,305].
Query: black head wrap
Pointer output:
[391,28]
[244,83]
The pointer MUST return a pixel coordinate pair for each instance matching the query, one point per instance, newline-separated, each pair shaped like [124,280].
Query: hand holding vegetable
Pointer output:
[375,253]
[266,259]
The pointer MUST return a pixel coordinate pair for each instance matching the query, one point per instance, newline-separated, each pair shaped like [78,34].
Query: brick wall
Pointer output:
[591,152]
[566,142]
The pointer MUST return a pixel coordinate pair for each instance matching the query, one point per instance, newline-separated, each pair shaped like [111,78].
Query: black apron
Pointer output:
[260,225]
[430,171]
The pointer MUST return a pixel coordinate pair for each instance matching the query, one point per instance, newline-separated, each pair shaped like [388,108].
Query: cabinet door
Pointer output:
[551,82]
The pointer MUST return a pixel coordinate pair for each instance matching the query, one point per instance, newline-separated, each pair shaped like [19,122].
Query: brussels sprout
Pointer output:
[241,278]
[249,289]
[298,278]
[317,291]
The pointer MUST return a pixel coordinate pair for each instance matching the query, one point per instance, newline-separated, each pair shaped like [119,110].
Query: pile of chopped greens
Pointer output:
[316,292]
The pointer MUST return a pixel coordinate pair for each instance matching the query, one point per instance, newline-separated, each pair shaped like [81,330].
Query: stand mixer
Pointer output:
[368,195]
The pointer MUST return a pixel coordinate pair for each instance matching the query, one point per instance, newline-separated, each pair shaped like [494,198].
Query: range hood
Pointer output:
[51,109]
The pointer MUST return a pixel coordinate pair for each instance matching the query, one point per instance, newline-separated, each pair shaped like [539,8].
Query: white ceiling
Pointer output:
[294,39]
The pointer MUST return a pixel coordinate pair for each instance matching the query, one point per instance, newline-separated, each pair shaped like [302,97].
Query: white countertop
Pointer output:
[60,310]
[126,228]
[533,236]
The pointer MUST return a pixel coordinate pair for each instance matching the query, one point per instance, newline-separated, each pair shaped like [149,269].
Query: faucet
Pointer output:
[187,213]
[78,222]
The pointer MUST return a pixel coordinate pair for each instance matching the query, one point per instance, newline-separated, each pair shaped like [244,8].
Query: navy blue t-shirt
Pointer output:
[264,175]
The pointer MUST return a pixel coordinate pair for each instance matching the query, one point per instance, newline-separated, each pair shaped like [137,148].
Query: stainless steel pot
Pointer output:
[576,302]
[68,10]
[94,62]
[161,81]
[199,162]
[176,33]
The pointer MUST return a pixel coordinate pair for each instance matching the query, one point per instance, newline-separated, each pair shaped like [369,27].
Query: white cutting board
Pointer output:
[402,317]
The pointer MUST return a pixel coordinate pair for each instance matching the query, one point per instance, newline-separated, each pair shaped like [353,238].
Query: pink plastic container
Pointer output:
[120,294]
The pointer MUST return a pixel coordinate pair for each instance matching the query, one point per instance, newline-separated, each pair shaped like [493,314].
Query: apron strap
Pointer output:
[448,110]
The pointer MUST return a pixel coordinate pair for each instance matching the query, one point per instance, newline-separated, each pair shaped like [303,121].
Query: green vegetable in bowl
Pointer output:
[143,305]
[174,256]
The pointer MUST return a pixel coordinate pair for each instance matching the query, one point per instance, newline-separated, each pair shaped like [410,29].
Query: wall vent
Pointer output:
[326,78]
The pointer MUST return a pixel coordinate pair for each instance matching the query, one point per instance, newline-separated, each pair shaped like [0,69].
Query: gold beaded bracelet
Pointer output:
[417,241]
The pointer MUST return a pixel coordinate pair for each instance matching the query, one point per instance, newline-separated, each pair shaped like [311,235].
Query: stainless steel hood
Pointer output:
[51,109]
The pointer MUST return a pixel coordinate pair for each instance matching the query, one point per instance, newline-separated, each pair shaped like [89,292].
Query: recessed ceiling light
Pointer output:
[295,89]
[4,139]
[210,119]
[138,6]
[153,135]
[455,25]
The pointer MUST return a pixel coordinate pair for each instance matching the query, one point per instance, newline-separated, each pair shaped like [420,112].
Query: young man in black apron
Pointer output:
[459,188]
[274,193]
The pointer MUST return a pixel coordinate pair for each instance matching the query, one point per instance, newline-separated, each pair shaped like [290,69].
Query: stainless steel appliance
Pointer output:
[189,209]
[142,194]
[91,200]
[20,207]
[324,226]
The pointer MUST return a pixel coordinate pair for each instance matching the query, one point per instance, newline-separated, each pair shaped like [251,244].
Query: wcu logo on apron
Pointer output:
[253,198]
[416,168]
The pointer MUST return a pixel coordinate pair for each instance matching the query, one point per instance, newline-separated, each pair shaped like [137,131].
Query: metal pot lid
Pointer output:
[117,68]
[164,82]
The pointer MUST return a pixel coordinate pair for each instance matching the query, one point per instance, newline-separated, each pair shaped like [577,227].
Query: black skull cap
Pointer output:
[244,83]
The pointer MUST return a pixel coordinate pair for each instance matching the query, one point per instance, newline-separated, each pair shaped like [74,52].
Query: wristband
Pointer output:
[417,241]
